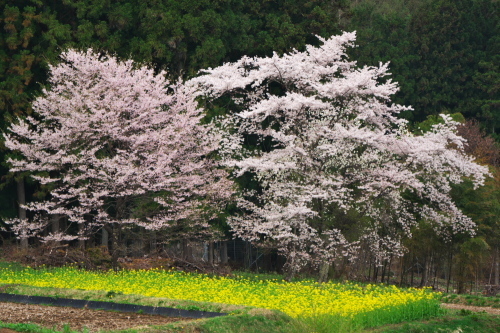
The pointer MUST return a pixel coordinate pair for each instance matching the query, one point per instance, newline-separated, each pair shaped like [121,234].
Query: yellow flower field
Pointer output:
[301,299]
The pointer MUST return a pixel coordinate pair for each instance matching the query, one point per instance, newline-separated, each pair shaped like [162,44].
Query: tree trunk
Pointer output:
[211,253]
[497,266]
[402,272]
[375,272]
[54,223]
[423,282]
[248,255]
[324,268]
[187,252]
[104,237]
[223,253]
[152,242]
[384,267]
[450,266]
[113,230]
[81,242]
[21,200]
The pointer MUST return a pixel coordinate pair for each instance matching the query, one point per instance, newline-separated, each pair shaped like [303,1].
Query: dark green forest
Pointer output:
[445,55]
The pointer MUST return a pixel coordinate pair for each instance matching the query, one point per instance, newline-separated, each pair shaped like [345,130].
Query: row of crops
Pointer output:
[366,305]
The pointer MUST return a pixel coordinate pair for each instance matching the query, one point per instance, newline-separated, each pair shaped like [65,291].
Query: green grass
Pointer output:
[32,328]
[14,266]
[455,322]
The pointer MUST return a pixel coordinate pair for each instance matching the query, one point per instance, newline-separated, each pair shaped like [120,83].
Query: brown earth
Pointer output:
[77,319]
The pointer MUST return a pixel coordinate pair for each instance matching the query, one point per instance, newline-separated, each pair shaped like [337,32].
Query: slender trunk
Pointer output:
[375,272]
[497,266]
[389,269]
[54,223]
[81,241]
[450,266]
[423,282]
[152,242]
[211,253]
[401,270]
[412,271]
[248,255]
[435,283]
[369,270]
[384,267]
[114,232]
[223,253]
[21,200]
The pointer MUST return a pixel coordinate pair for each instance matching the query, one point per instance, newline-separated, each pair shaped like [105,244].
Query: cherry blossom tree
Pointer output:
[108,132]
[332,145]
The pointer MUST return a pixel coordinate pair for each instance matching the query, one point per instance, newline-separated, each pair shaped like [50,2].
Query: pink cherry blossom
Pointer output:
[107,132]
[335,145]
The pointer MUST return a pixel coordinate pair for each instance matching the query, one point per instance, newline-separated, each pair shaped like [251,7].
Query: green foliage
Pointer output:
[443,53]
[432,120]
[465,322]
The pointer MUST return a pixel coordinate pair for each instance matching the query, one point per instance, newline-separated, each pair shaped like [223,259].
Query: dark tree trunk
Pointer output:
[55,225]
[211,253]
[424,279]
[81,242]
[104,237]
[223,253]
[449,271]
[113,230]
[384,267]
[496,262]
[187,252]
[375,272]
[152,242]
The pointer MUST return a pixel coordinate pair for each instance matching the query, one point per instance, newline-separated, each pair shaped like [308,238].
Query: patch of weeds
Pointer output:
[192,308]
[112,293]
[464,312]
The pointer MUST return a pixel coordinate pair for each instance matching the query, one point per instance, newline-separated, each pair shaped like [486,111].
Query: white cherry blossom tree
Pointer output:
[107,132]
[332,144]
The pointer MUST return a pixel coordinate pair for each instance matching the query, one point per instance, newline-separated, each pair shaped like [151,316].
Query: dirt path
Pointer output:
[77,319]
[487,309]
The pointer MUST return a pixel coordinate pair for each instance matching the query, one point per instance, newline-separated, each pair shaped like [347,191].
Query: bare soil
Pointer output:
[77,319]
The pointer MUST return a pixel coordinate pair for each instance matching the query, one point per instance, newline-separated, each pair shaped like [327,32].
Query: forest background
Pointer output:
[445,55]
